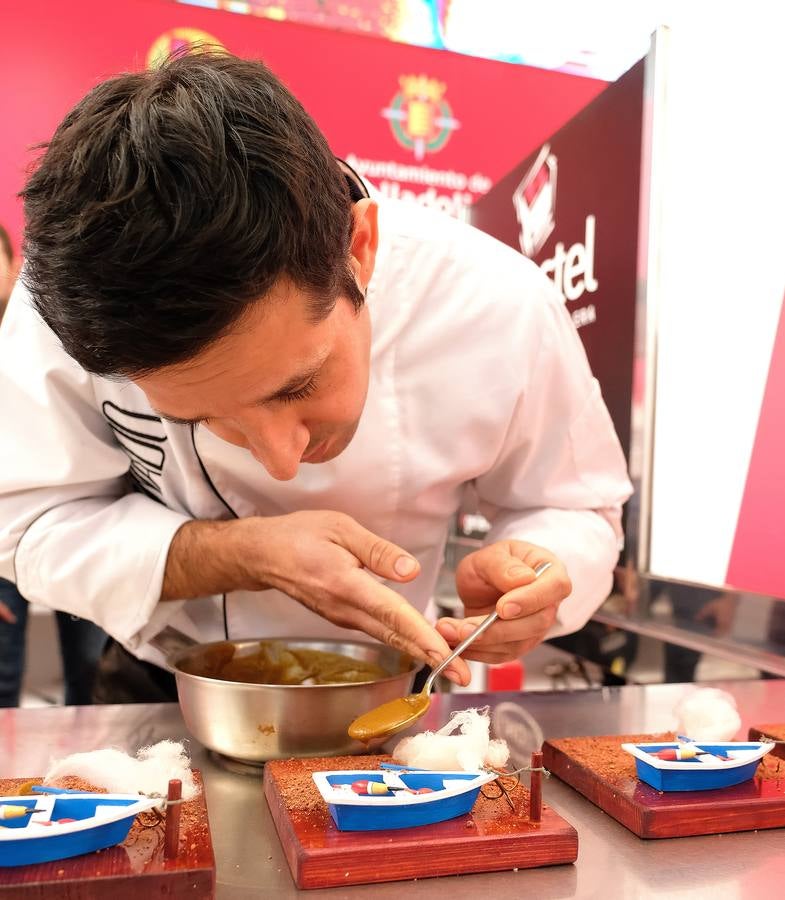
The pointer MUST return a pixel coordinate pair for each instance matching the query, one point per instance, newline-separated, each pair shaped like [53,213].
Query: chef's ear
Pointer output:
[365,240]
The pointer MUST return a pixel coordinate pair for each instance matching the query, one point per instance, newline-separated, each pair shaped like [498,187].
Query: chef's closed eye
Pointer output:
[301,393]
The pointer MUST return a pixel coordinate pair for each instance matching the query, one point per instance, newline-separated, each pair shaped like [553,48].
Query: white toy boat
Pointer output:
[698,766]
[397,797]
[65,824]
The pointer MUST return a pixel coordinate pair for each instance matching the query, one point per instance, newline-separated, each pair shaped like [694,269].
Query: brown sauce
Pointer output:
[271,662]
[389,718]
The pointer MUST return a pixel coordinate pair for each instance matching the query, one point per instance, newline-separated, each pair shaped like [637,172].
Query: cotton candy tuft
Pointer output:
[467,751]
[117,772]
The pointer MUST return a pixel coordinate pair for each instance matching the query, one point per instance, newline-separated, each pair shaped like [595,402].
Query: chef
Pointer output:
[244,397]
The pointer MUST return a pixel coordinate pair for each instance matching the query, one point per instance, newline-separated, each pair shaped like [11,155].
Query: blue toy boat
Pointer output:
[444,795]
[710,765]
[93,822]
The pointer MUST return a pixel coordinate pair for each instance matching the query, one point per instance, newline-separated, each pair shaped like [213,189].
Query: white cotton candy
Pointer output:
[497,755]
[119,773]
[708,714]
[470,750]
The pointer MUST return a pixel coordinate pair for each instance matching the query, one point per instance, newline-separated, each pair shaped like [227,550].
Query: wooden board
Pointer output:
[492,837]
[775,732]
[599,769]
[133,870]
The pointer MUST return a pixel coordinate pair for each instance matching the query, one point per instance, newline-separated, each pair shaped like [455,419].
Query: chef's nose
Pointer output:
[277,441]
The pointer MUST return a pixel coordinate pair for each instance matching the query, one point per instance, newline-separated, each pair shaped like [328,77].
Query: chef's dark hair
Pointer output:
[169,200]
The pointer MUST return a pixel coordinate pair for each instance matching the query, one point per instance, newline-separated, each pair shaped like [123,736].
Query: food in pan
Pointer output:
[272,662]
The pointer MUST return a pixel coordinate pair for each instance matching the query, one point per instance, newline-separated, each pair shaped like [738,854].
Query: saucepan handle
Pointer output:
[172,642]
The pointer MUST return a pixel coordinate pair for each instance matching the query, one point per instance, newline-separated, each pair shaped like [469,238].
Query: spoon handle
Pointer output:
[484,626]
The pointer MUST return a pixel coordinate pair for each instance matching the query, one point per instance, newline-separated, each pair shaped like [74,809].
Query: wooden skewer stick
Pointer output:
[535,788]
[172,828]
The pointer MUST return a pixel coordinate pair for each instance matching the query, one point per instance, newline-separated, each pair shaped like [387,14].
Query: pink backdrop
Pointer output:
[53,53]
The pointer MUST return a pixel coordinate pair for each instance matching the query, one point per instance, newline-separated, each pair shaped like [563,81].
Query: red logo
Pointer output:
[535,202]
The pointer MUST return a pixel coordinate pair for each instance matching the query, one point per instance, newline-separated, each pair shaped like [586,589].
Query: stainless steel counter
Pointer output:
[612,862]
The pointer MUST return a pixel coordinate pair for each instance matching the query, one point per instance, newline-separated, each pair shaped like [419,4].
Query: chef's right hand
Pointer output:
[327,561]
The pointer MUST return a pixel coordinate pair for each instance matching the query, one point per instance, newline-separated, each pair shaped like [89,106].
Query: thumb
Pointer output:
[380,556]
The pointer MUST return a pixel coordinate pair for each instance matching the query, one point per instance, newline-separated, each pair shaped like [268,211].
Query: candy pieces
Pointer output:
[12,811]
[372,788]
[378,788]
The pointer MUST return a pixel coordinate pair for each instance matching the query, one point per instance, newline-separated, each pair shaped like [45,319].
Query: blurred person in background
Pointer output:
[81,642]
[703,610]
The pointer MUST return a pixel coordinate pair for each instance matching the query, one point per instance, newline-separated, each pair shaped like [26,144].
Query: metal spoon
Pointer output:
[397,715]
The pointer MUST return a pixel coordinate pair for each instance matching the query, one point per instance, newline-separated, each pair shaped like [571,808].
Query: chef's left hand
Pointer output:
[501,576]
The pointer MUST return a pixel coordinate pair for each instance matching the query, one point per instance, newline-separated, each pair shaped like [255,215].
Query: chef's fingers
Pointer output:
[497,567]
[378,555]
[549,589]
[389,618]
[503,653]
[457,671]
[530,627]
[522,608]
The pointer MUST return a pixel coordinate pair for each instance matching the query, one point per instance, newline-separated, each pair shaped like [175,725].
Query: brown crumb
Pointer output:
[776,732]
[296,786]
[771,768]
[74,783]
[773,731]
[266,729]
[603,755]
[301,798]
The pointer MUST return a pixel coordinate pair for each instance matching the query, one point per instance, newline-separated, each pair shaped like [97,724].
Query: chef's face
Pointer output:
[287,388]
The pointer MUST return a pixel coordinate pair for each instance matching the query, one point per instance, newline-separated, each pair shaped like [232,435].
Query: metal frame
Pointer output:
[643,415]
[638,525]
[733,651]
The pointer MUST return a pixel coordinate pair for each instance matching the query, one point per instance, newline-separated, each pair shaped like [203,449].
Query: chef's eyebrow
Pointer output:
[296,382]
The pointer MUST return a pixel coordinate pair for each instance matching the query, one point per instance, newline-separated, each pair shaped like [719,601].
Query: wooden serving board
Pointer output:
[492,837]
[599,769]
[775,732]
[133,870]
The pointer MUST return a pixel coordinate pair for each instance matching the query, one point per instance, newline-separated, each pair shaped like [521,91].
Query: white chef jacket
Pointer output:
[477,375]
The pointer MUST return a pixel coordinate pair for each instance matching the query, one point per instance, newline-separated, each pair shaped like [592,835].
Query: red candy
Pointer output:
[380,789]
[370,787]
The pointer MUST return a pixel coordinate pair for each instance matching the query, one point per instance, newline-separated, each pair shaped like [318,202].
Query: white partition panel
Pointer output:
[719,271]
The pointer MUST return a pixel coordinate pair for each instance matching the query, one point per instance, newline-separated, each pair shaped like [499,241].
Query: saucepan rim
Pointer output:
[178,657]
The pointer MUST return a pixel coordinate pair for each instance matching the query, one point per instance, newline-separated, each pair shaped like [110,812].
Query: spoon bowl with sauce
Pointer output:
[384,721]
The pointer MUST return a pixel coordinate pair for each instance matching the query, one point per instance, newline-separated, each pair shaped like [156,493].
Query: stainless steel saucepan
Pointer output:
[252,723]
